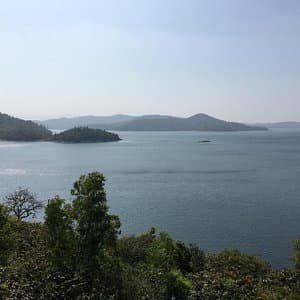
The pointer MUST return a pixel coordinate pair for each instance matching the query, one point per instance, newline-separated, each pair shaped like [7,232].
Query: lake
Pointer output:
[242,190]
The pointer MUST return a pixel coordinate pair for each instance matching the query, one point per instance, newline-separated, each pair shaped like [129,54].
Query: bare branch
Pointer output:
[23,203]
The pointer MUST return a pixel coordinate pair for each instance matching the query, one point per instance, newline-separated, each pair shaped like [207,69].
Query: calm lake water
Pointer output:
[242,190]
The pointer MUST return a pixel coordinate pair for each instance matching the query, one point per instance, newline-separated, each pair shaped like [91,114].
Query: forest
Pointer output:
[14,129]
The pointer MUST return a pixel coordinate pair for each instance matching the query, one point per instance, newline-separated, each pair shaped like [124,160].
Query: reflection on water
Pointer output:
[12,172]
[11,145]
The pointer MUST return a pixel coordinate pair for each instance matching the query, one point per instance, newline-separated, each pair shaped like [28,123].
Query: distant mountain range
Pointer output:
[278,125]
[198,122]
[67,123]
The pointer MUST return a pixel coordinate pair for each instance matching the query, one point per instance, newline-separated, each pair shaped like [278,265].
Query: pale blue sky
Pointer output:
[234,59]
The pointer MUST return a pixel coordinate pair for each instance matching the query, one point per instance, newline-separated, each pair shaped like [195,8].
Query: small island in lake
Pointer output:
[85,135]
[205,141]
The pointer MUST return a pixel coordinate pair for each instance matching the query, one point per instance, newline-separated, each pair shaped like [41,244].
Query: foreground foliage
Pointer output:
[76,254]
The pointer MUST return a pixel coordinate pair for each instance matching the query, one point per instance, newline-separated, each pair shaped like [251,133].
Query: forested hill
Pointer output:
[85,135]
[83,121]
[14,129]
[197,122]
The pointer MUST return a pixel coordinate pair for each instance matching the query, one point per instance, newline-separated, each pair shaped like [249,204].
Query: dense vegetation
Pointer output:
[14,129]
[85,135]
[76,253]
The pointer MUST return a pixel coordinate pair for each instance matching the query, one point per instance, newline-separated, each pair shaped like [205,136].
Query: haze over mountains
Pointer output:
[67,123]
[280,125]
[198,122]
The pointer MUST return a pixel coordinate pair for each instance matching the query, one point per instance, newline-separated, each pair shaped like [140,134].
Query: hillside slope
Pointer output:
[198,122]
[14,129]
[68,123]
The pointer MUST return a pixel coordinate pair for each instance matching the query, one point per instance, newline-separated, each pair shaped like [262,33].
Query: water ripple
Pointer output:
[12,172]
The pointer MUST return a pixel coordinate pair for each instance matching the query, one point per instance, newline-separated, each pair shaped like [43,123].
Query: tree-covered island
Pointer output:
[85,135]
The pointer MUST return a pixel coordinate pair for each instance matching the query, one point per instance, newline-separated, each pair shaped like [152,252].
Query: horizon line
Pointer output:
[71,116]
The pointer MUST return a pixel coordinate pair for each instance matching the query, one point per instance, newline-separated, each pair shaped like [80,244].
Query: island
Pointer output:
[85,135]
[205,141]
[15,129]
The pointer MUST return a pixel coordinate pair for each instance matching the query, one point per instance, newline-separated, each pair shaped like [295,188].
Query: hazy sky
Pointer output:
[234,59]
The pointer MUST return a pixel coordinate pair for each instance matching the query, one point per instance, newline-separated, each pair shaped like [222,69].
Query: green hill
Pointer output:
[85,135]
[14,129]
[198,122]
[83,121]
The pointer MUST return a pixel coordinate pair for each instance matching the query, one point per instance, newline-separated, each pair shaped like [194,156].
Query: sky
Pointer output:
[238,60]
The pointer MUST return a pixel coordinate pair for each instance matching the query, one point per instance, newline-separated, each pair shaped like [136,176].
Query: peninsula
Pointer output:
[15,129]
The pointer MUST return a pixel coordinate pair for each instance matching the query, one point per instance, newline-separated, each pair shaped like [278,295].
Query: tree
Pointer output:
[178,287]
[96,230]
[60,235]
[134,250]
[95,227]
[297,254]
[4,246]
[81,238]
[23,204]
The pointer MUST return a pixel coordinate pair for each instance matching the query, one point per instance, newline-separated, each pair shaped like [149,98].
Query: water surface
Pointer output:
[242,190]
